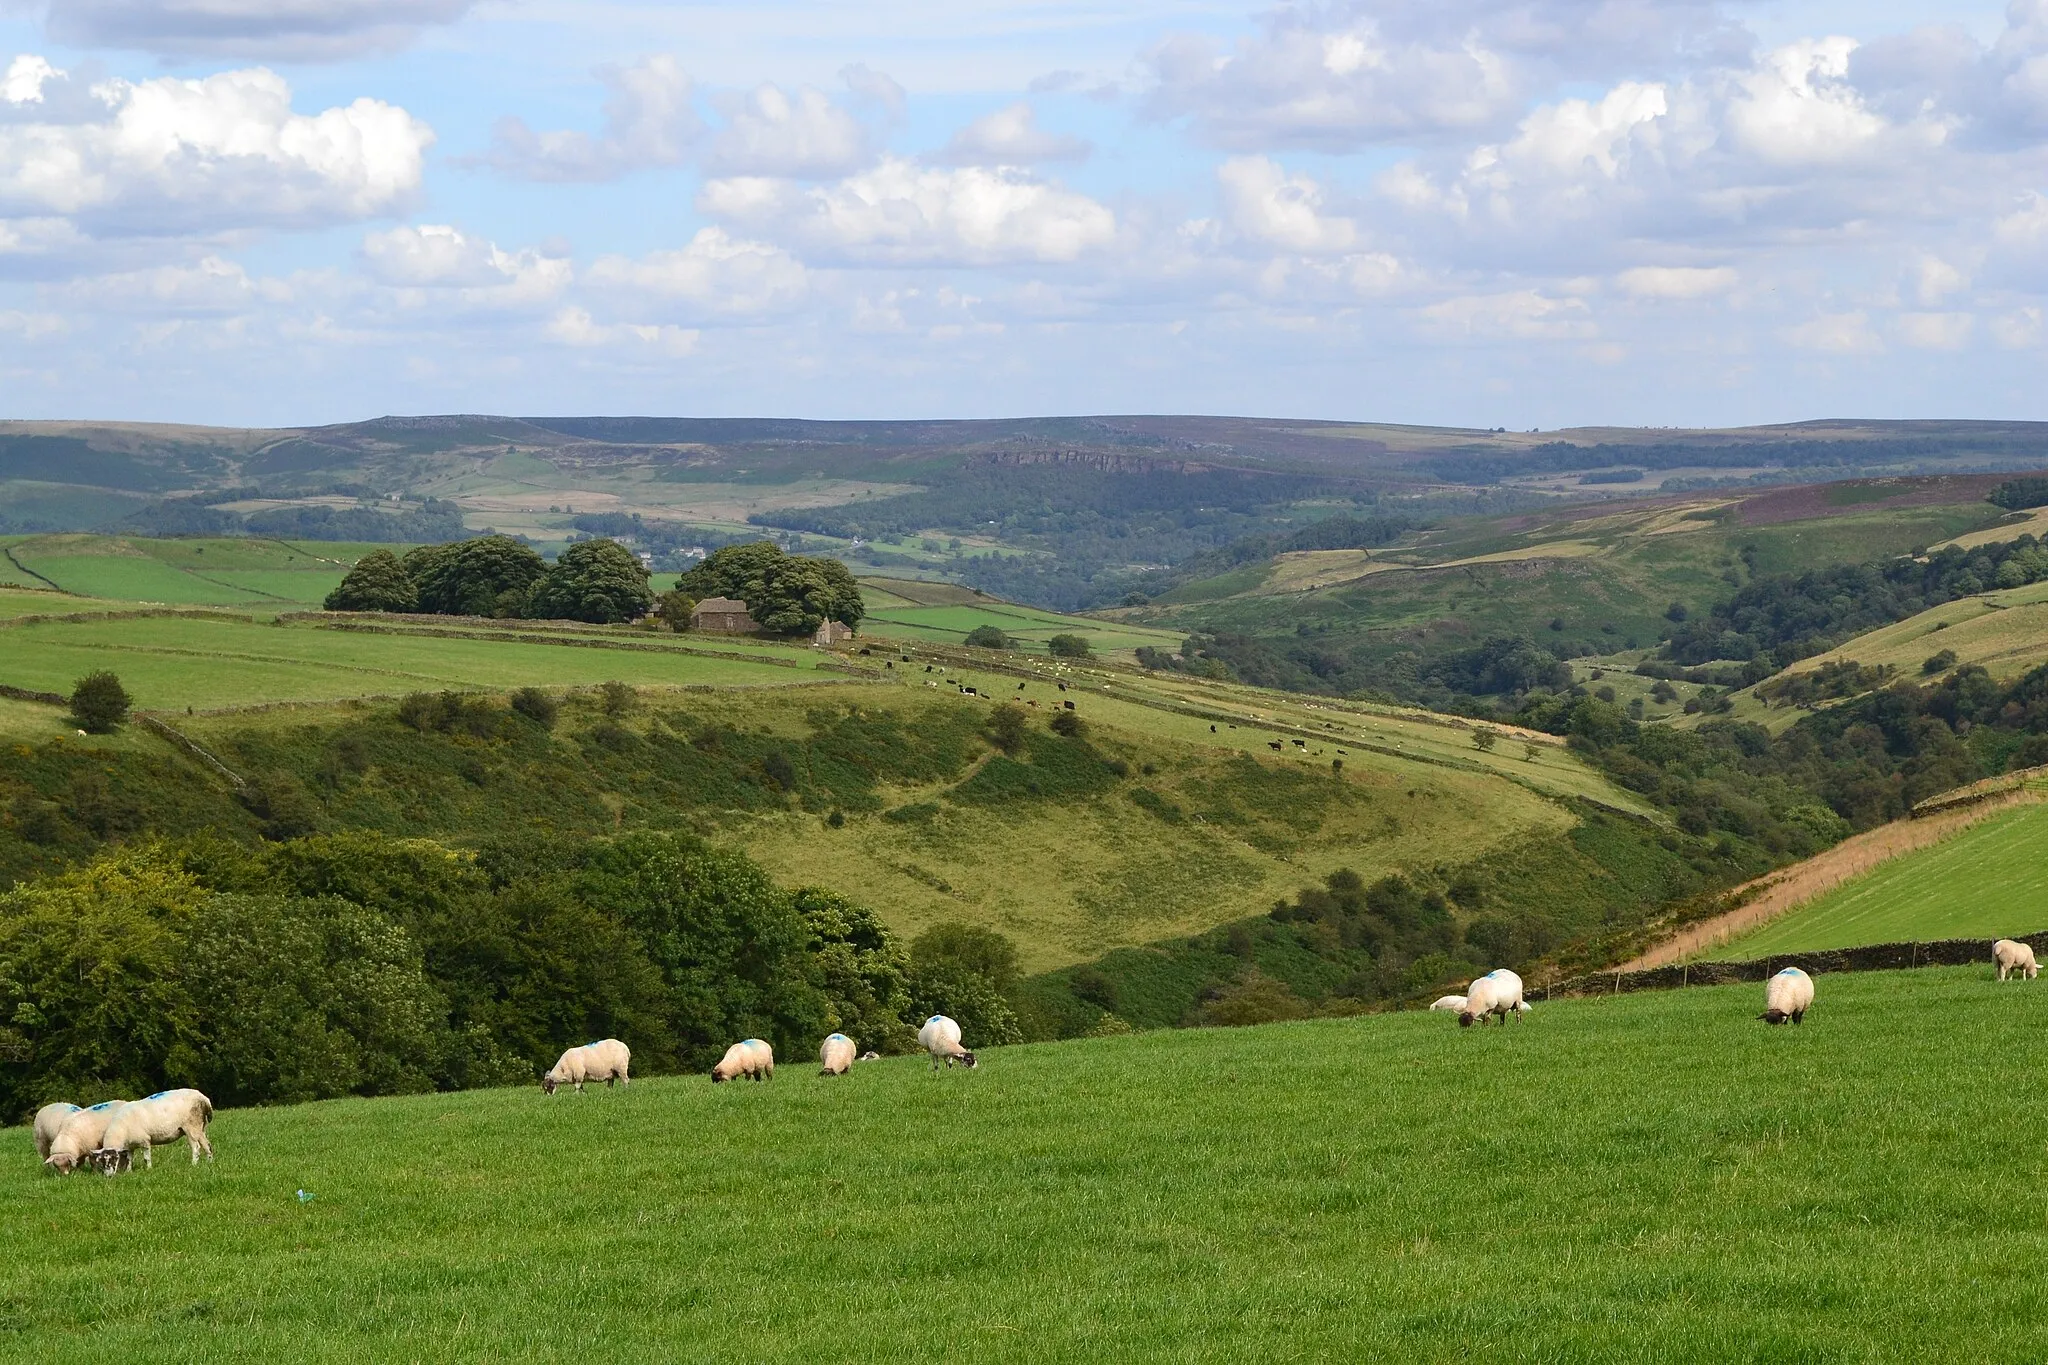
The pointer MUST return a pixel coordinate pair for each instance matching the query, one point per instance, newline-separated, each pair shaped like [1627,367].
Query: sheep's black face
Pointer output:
[1465,1019]
[716,1078]
[547,1085]
[967,1060]
[1774,1016]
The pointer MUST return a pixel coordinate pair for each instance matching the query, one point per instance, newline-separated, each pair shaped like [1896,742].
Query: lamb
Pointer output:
[607,1060]
[49,1122]
[1788,995]
[940,1036]
[163,1117]
[753,1059]
[836,1056]
[1499,992]
[2013,956]
[80,1136]
[1454,1003]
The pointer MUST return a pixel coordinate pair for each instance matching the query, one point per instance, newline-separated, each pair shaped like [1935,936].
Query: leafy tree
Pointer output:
[674,609]
[988,637]
[1069,647]
[594,580]
[99,703]
[965,972]
[378,582]
[785,594]
[1484,739]
[484,576]
[1007,725]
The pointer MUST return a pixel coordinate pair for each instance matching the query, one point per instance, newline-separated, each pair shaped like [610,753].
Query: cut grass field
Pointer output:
[1988,881]
[1647,1177]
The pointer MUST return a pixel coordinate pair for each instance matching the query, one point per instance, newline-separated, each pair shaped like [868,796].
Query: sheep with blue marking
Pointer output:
[1788,995]
[165,1116]
[1498,993]
[836,1055]
[940,1037]
[752,1059]
[607,1060]
[78,1137]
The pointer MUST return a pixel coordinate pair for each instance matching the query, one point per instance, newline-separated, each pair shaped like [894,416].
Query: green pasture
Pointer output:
[951,625]
[2006,632]
[199,572]
[1988,881]
[211,662]
[1648,1177]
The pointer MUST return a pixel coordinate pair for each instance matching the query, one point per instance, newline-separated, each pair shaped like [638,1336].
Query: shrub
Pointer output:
[1941,662]
[1069,647]
[988,637]
[1007,725]
[536,705]
[1068,725]
[99,704]
[616,698]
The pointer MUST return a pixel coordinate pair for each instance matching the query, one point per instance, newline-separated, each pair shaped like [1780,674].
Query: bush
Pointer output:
[1007,726]
[988,637]
[99,704]
[1068,725]
[1941,662]
[616,698]
[537,706]
[1069,647]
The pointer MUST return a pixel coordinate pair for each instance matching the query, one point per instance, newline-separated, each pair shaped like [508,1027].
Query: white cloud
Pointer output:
[1011,137]
[716,274]
[1519,315]
[576,327]
[650,120]
[1267,205]
[903,213]
[301,30]
[25,78]
[1676,281]
[1796,108]
[768,132]
[225,151]
[1841,333]
[438,257]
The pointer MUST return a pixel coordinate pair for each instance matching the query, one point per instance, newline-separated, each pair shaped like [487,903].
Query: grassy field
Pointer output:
[1028,625]
[1651,1177]
[2005,631]
[1988,881]
[215,661]
[196,572]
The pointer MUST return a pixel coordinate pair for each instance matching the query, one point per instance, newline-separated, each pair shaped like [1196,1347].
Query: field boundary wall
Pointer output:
[1874,957]
[25,694]
[528,637]
[179,739]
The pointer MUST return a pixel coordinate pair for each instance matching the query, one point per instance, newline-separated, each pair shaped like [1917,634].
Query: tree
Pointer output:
[378,582]
[99,704]
[1069,647]
[1007,725]
[988,637]
[1484,739]
[486,576]
[785,594]
[674,609]
[594,580]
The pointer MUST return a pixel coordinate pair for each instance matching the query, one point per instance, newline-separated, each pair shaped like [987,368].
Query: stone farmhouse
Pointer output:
[722,614]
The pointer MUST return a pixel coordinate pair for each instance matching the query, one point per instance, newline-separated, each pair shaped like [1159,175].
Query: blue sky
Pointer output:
[1479,212]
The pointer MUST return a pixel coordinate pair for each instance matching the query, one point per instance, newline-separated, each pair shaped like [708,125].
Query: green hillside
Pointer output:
[1989,881]
[1650,1177]
[195,572]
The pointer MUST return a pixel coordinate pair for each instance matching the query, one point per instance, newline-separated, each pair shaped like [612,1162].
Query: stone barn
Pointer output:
[722,614]
[832,633]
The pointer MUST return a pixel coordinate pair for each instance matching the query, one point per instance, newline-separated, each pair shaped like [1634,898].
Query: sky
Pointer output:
[1516,213]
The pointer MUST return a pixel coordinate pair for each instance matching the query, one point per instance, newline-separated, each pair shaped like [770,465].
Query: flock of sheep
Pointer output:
[107,1135]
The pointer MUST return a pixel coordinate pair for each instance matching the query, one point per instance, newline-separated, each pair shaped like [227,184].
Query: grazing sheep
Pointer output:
[1788,995]
[940,1036]
[1499,992]
[1453,1003]
[869,1057]
[2014,956]
[49,1122]
[80,1135]
[753,1059]
[607,1061]
[836,1055]
[163,1117]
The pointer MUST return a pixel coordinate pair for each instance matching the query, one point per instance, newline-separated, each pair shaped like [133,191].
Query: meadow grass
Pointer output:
[214,662]
[951,624]
[1988,881]
[1647,1177]
[2005,632]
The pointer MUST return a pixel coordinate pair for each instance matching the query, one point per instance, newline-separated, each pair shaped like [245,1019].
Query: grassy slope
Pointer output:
[2005,631]
[201,572]
[1988,881]
[1605,573]
[1649,1177]
[951,624]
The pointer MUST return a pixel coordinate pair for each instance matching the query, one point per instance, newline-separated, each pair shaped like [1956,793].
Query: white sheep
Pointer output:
[1788,995]
[1453,1003]
[940,1036]
[2013,956]
[49,1122]
[80,1135]
[607,1060]
[869,1057]
[163,1117]
[1499,992]
[753,1059]
[836,1055]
